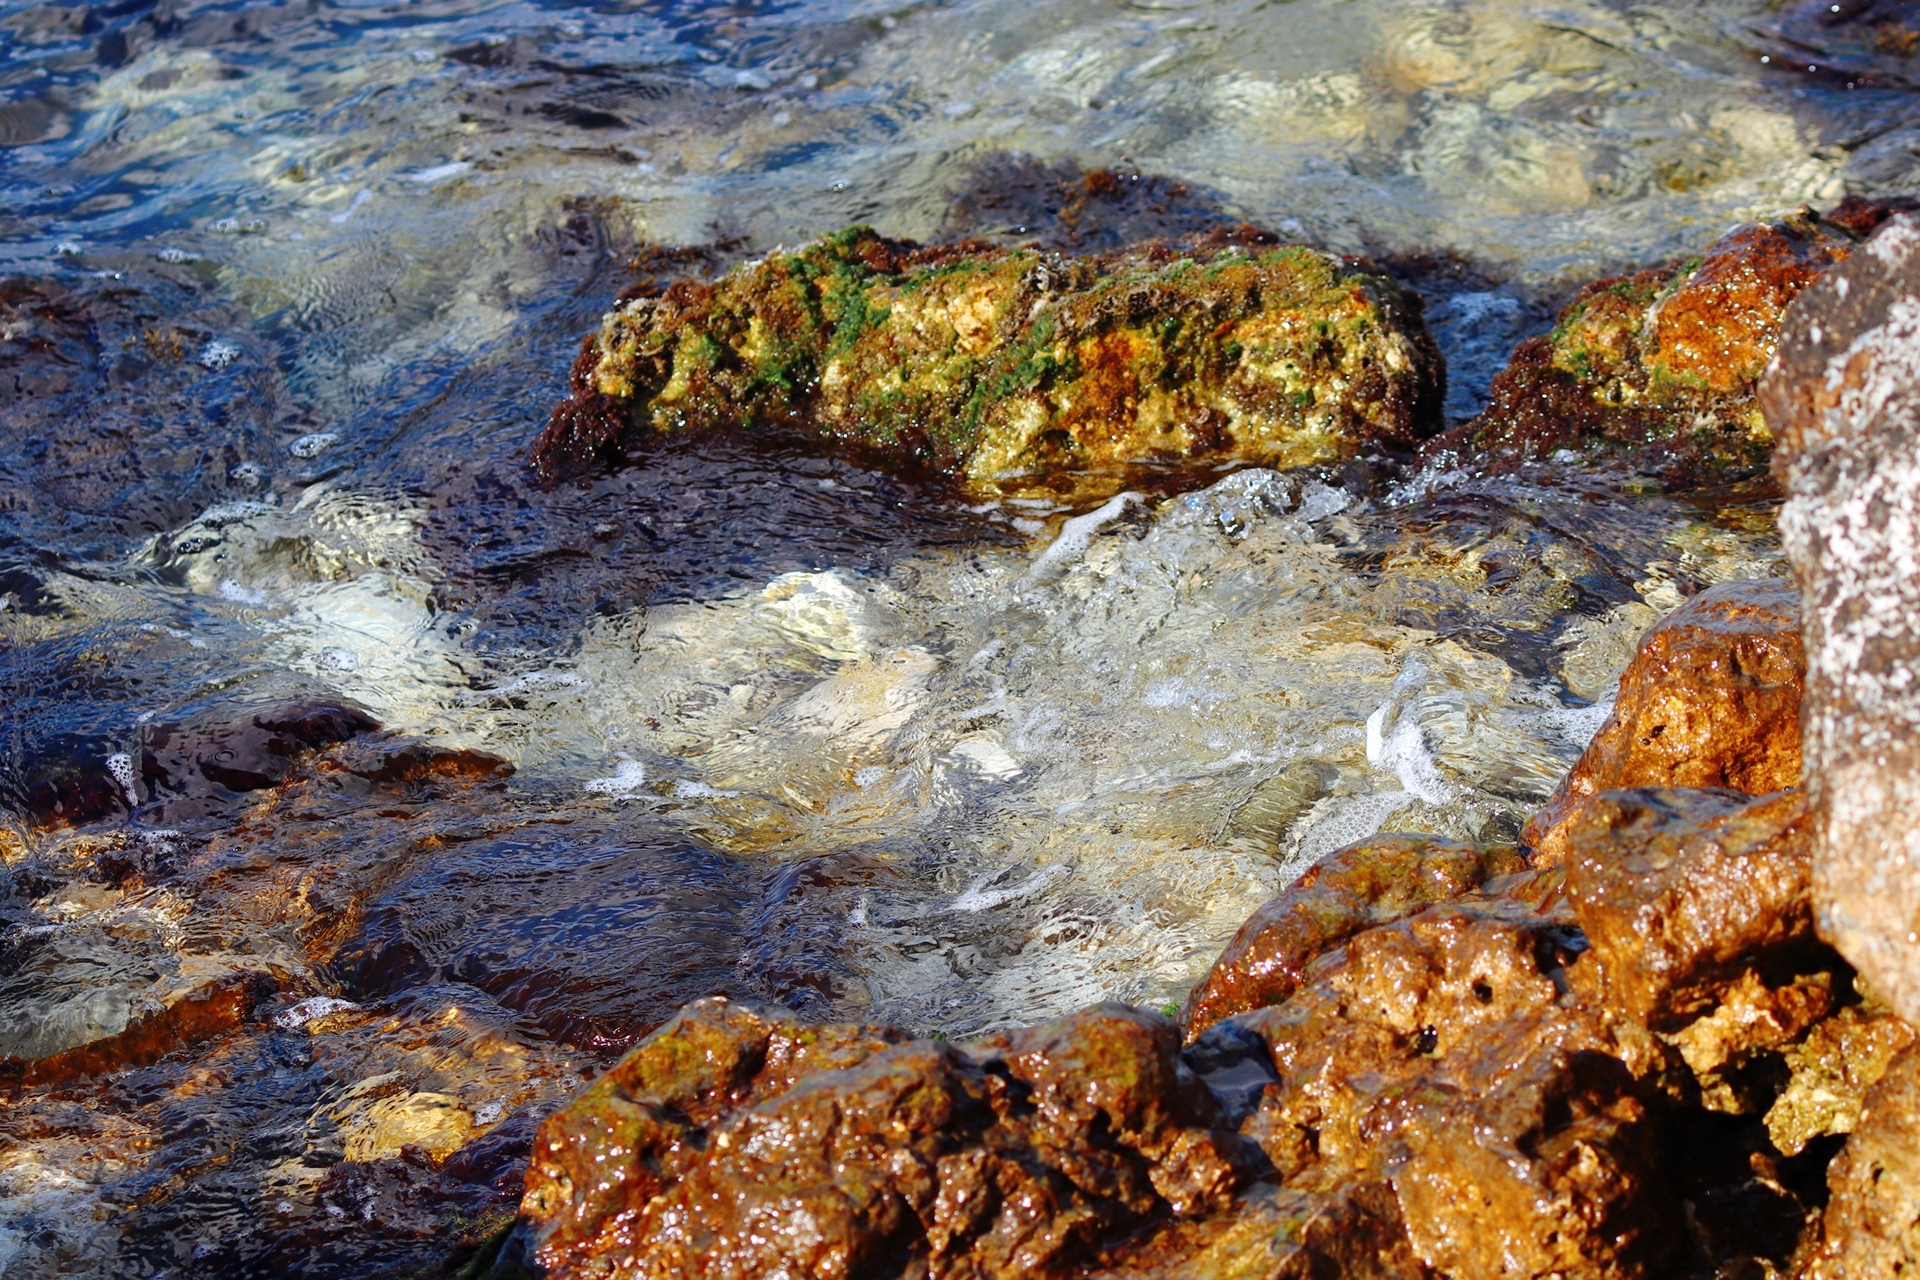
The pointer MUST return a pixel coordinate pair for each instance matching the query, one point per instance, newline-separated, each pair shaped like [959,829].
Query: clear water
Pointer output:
[780,726]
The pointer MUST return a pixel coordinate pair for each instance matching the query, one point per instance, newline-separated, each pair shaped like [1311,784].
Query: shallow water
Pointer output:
[291,289]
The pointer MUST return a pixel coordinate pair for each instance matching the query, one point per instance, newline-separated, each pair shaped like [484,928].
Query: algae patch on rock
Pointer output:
[1016,370]
[1660,366]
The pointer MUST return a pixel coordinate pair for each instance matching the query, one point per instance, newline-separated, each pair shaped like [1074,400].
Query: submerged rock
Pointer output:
[1010,370]
[1660,366]
[1711,699]
[1844,397]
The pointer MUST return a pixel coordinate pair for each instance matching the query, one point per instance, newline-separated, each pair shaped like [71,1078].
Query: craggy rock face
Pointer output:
[1680,892]
[1711,699]
[1660,366]
[1437,1053]
[728,1144]
[1010,370]
[1371,883]
[1454,1069]
[1872,1225]
[1844,398]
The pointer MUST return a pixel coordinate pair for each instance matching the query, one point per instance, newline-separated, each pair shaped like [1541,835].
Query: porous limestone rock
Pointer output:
[1871,1230]
[731,1144]
[1370,883]
[1832,1069]
[1012,369]
[1679,893]
[1711,699]
[1844,398]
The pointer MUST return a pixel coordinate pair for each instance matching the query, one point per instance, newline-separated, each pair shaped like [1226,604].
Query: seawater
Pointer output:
[779,726]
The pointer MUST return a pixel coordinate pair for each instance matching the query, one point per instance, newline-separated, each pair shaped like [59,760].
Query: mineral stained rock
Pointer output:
[1832,1069]
[732,1145]
[1438,1071]
[1436,1053]
[1681,892]
[1872,1224]
[1355,888]
[1711,699]
[1660,367]
[1011,369]
[1844,398]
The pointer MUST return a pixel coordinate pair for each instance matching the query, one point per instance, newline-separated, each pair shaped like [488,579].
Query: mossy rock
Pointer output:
[1016,371]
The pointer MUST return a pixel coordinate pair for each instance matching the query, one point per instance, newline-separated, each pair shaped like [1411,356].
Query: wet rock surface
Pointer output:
[1368,884]
[1844,398]
[1658,369]
[1013,370]
[1711,699]
[1872,1225]
[1570,1071]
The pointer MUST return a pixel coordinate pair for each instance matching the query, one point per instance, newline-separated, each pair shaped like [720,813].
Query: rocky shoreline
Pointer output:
[1665,1029]
[1668,1034]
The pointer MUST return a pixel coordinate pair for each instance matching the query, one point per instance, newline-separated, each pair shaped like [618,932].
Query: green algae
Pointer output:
[1010,370]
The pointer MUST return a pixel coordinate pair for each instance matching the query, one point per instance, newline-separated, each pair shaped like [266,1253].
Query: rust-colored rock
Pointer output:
[1711,699]
[729,1144]
[1844,397]
[1872,1226]
[1659,367]
[1370,883]
[1438,1053]
[1681,892]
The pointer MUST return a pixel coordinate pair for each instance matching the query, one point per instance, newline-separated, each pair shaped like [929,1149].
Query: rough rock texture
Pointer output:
[732,1145]
[1681,892]
[1832,1070]
[1660,366]
[1015,369]
[1844,398]
[1441,1078]
[1711,699]
[1435,1053]
[1366,884]
[1872,1225]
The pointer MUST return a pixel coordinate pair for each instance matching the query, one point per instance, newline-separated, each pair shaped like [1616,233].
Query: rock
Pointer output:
[1009,370]
[1872,1223]
[1277,1233]
[1751,1020]
[1435,1054]
[197,1001]
[1832,1069]
[1679,893]
[1370,883]
[1844,398]
[730,1144]
[1658,367]
[1711,699]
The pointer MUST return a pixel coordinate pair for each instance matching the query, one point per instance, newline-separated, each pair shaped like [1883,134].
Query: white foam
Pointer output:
[312,1009]
[1076,534]
[120,765]
[628,777]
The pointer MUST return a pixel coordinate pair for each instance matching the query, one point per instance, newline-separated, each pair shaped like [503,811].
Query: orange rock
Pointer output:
[1370,883]
[1680,892]
[1712,699]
